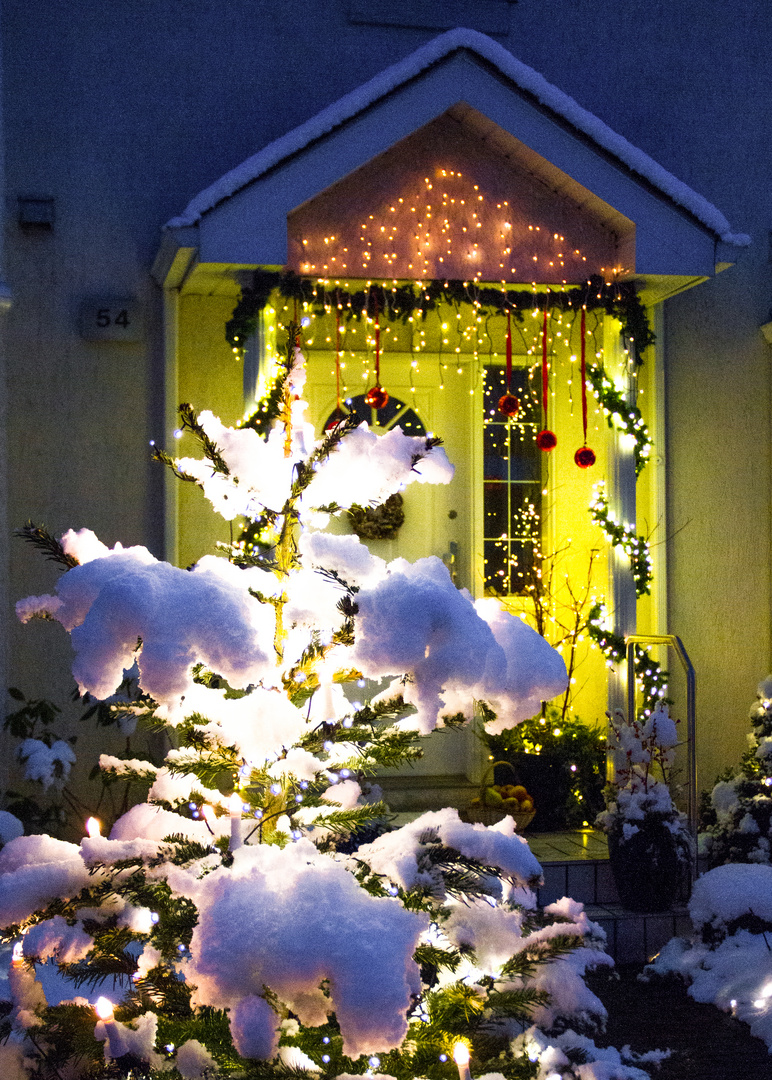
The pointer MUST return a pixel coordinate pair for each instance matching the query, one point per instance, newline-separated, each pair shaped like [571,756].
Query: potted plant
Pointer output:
[647,836]
[560,760]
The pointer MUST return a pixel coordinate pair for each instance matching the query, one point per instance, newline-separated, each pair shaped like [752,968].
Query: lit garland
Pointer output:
[403,301]
[635,547]
[648,672]
[628,417]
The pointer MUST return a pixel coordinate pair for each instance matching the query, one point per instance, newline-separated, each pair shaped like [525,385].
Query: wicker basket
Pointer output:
[489,815]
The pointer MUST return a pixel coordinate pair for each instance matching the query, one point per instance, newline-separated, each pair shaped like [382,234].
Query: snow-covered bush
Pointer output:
[737,825]
[638,798]
[233,914]
[729,960]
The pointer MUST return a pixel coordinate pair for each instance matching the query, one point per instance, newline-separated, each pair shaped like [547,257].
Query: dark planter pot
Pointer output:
[646,867]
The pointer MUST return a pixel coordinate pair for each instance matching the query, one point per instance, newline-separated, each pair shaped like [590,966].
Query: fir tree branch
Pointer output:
[42,539]
[212,452]
[171,463]
[344,821]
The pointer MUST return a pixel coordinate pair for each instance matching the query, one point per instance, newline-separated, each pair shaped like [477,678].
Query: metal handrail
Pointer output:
[674,642]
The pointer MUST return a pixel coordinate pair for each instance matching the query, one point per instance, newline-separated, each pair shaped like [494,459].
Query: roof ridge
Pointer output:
[428,54]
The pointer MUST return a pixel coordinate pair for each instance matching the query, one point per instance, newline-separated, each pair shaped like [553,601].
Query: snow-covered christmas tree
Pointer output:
[256,916]
[738,820]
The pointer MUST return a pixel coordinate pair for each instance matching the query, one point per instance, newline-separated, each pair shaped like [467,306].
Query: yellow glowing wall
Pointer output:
[435,366]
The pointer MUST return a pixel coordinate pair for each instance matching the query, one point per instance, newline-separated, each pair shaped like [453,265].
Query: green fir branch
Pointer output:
[434,957]
[346,821]
[171,463]
[44,541]
[212,452]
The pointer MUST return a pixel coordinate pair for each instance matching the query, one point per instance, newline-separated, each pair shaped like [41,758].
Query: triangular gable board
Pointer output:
[241,220]
[448,201]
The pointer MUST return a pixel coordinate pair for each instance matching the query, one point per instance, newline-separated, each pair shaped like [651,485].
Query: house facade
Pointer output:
[557,202]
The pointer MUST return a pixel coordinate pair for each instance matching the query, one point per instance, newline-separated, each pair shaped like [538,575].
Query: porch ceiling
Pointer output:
[667,236]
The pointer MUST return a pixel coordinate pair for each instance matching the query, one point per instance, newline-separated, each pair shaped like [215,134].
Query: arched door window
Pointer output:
[395,413]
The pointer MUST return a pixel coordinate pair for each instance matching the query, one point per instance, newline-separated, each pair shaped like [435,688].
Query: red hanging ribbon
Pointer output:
[544,366]
[509,349]
[377,346]
[584,380]
[338,410]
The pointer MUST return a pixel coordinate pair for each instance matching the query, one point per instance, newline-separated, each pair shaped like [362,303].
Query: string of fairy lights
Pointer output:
[350,304]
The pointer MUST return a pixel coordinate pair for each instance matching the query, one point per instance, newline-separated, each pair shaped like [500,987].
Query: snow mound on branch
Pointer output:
[312,602]
[193,1059]
[182,618]
[494,933]
[253,1027]
[260,474]
[415,620]
[139,1039]
[535,672]
[147,822]
[289,918]
[397,855]
[55,937]
[346,555]
[366,467]
[260,724]
[34,870]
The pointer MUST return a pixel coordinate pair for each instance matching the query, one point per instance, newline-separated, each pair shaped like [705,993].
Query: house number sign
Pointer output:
[110,320]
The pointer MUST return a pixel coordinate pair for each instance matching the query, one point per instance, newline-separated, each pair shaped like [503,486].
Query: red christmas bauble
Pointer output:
[376,397]
[584,457]
[546,440]
[509,404]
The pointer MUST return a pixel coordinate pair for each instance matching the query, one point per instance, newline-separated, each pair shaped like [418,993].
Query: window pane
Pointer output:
[495,451]
[496,575]
[512,484]
[495,503]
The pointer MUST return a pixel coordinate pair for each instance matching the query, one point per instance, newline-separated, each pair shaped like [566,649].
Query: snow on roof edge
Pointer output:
[523,76]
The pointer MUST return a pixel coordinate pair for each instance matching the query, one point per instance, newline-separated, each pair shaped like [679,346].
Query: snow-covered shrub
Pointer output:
[638,798]
[728,962]
[223,912]
[737,825]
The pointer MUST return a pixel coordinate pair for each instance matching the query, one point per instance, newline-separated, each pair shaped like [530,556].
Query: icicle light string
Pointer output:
[338,410]
[612,401]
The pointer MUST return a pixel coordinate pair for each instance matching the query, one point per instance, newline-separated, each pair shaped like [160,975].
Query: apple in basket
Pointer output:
[510,797]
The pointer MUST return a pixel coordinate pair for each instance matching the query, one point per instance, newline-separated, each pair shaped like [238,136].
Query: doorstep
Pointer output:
[635,938]
[576,864]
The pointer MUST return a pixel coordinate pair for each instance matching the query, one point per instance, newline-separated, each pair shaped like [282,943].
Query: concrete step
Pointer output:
[415,794]
[574,863]
[636,938]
